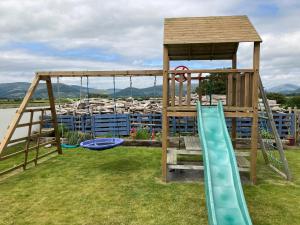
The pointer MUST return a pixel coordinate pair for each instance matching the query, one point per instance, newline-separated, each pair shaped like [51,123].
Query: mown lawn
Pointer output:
[122,186]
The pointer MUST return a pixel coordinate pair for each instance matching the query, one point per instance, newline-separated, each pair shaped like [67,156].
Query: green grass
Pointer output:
[122,186]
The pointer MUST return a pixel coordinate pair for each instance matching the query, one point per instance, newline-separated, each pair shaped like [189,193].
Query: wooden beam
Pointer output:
[213,71]
[254,128]
[165,119]
[53,113]
[18,115]
[235,93]
[117,73]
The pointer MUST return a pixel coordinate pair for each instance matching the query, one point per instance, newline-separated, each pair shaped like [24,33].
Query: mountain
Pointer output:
[18,90]
[285,89]
[147,92]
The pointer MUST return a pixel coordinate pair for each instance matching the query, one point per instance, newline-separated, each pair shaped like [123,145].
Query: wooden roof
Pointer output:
[207,38]
[217,29]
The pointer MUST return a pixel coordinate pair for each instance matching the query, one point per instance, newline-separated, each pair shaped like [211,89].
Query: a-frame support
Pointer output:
[16,123]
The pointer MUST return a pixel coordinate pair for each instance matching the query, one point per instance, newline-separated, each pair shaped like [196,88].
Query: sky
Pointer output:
[47,35]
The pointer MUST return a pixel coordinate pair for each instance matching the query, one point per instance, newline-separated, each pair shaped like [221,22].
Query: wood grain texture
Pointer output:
[220,29]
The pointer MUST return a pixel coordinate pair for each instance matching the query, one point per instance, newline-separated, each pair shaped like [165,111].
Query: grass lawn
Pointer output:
[122,186]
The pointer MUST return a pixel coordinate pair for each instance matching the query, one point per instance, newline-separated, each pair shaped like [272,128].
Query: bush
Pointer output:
[75,137]
[293,101]
[62,129]
[280,98]
[143,134]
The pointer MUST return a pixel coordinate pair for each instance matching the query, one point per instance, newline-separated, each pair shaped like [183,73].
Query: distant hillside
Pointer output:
[285,89]
[146,92]
[18,90]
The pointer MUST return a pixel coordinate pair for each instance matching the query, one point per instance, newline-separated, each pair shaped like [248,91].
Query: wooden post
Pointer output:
[27,145]
[235,93]
[173,90]
[39,137]
[254,128]
[165,122]
[188,91]
[19,114]
[53,113]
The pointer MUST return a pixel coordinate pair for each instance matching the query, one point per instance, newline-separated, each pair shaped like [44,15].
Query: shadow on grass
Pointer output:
[121,165]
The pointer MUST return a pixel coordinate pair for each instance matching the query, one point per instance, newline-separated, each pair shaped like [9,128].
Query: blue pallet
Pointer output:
[121,124]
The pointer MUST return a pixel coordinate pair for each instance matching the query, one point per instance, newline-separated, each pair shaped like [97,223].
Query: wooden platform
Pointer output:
[192,147]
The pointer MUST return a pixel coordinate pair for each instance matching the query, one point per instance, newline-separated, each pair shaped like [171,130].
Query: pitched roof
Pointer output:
[217,29]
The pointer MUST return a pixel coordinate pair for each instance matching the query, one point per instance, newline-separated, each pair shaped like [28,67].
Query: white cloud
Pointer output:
[133,29]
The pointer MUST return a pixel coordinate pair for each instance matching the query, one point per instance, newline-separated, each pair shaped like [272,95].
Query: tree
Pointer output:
[280,98]
[293,101]
[216,84]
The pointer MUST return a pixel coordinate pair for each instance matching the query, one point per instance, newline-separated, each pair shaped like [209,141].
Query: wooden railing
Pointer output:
[239,88]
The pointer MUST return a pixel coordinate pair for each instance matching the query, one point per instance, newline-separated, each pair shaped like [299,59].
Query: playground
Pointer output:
[70,179]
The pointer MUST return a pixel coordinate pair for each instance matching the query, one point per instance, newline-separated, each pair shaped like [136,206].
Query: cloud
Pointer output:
[92,34]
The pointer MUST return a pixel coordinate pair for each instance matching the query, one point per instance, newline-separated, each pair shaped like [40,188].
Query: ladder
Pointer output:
[267,114]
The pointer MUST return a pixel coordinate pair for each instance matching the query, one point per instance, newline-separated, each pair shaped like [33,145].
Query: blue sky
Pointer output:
[112,35]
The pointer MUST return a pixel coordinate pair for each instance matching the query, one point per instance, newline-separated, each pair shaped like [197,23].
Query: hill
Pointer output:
[285,89]
[18,90]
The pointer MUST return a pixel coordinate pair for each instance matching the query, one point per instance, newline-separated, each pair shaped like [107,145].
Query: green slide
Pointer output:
[225,200]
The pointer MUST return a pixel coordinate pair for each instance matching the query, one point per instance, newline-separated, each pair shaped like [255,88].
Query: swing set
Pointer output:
[199,38]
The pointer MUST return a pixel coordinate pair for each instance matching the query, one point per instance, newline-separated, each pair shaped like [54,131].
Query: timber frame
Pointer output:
[210,38]
[23,109]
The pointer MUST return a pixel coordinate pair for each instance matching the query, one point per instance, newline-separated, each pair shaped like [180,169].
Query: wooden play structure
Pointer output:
[199,38]
[212,38]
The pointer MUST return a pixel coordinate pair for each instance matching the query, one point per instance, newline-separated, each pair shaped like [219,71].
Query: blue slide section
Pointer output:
[225,200]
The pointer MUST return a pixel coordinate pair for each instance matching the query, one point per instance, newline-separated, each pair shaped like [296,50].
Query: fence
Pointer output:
[121,124]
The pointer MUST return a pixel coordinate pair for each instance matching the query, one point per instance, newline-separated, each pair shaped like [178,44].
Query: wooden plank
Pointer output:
[254,128]
[238,114]
[173,90]
[188,91]
[165,119]
[229,90]
[181,114]
[39,137]
[247,90]
[29,124]
[238,90]
[242,98]
[186,167]
[53,113]
[37,109]
[11,155]
[235,92]
[18,115]
[194,114]
[28,140]
[180,90]
[112,73]
[221,71]
[192,143]
[171,156]
[200,90]
[243,162]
